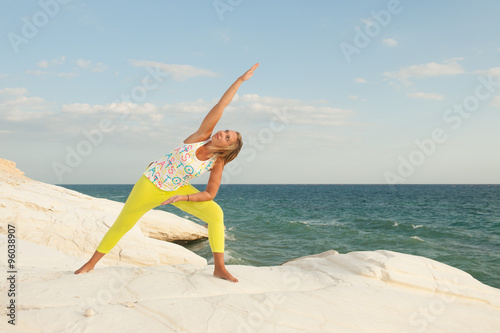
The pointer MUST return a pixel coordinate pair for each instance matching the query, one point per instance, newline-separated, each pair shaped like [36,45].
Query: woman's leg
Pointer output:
[211,213]
[143,197]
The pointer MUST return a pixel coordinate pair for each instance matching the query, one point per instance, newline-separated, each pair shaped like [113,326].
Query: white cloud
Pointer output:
[353,97]
[421,95]
[303,113]
[494,71]
[13,91]
[43,64]
[99,67]
[82,63]
[34,118]
[199,106]
[404,74]
[122,108]
[88,65]
[43,73]
[47,63]
[178,72]
[360,80]
[496,101]
[389,42]
[329,140]
[66,74]
[37,72]
[16,107]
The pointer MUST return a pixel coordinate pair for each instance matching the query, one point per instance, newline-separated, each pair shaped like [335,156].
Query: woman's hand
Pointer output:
[174,198]
[248,74]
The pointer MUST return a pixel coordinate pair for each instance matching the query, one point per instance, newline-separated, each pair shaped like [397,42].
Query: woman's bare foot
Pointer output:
[89,265]
[85,268]
[224,274]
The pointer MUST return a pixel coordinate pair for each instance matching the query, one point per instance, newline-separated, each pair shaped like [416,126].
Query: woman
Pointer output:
[166,182]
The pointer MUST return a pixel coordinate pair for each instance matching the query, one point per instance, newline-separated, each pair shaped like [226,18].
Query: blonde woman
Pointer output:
[166,181]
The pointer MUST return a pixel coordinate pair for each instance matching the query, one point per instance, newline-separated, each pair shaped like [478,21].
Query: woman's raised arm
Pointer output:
[212,118]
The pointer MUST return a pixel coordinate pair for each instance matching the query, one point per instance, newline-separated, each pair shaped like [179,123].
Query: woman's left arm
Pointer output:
[212,118]
[211,190]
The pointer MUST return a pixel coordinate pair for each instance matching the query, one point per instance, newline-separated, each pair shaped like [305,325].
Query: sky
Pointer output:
[347,92]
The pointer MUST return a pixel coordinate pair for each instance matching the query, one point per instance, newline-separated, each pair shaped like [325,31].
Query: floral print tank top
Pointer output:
[178,167]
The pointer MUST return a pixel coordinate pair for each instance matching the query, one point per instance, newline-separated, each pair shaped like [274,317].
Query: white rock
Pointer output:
[372,291]
[75,223]
[89,313]
[319,255]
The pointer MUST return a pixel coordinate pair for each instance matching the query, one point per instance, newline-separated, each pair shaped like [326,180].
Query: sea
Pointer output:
[266,225]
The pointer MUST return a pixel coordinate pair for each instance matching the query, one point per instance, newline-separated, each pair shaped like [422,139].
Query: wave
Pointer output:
[301,222]
[312,223]
[231,258]
[229,236]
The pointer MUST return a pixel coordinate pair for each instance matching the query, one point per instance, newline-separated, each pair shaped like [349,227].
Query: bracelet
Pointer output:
[188,197]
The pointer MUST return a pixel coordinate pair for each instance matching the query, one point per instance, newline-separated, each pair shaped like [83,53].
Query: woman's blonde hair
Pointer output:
[229,153]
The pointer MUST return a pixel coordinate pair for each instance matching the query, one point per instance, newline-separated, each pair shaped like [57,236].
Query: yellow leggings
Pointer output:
[146,196]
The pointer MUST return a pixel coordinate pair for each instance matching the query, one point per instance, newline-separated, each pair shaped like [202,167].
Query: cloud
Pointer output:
[199,106]
[360,80]
[389,42]
[496,101]
[47,63]
[353,97]
[302,113]
[421,95]
[33,118]
[404,74]
[14,91]
[43,73]
[80,63]
[43,64]
[329,140]
[121,108]
[178,72]
[88,65]
[261,108]
[494,71]
[16,107]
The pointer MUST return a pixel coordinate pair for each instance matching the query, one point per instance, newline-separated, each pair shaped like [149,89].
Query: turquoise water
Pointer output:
[268,224]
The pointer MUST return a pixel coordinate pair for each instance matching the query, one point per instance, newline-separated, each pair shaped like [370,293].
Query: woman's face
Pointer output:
[224,138]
